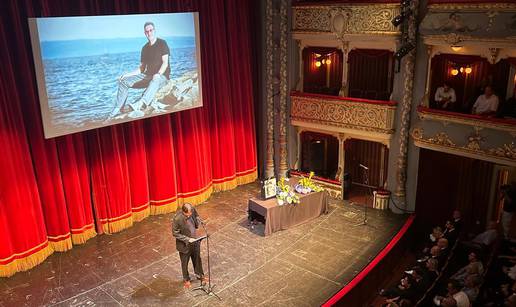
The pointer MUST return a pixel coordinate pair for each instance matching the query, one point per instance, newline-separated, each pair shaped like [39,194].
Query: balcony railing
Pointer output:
[501,124]
[479,137]
[343,112]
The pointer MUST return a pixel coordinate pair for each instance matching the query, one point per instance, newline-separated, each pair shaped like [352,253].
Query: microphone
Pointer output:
[363,166]
[200,220]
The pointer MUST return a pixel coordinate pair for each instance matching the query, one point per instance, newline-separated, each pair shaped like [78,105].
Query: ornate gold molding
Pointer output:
[473,7]
[406,105]
[507,151]
[345,19]
[344,113]
[505,154]
[283,116]
[269,83]
[427,114]
[451,39]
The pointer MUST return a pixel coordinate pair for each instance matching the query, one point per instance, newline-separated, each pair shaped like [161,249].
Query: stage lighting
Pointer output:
[396,21]
[404,50]
[405,3]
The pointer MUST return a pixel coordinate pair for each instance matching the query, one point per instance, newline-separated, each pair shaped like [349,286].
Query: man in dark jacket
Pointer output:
[186,222]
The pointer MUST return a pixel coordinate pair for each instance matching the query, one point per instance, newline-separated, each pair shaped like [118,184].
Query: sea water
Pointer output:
[82,75]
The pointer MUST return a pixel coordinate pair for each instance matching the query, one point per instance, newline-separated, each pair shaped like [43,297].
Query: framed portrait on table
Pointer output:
[268,188]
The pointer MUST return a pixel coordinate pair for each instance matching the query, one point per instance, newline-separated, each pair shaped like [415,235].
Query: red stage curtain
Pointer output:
[23,237]
[371,73]
[73,187]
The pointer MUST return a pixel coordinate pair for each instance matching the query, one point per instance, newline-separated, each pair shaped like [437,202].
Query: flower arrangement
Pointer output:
[284,194]
[307,185]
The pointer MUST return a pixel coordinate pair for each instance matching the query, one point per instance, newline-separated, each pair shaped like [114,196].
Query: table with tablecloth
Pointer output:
[286,216]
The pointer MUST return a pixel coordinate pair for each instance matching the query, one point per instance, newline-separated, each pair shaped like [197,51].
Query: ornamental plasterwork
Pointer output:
[342,113]
[506,154]
[483,22]
[441,138]
[506,151]
[474,142]
[348,19]
[508,7]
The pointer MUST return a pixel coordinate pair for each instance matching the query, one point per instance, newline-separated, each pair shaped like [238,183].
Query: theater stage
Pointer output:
[302,266]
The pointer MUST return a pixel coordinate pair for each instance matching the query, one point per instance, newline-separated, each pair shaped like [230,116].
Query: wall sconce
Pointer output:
[463,70]
[322,59]
[456,48]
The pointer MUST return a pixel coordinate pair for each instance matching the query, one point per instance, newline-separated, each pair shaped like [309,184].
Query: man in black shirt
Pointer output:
[152,74]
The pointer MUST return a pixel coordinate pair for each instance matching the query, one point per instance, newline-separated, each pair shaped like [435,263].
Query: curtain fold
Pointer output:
[59,192]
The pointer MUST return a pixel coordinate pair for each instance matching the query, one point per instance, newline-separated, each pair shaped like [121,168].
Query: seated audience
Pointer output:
[450,233]
[455,292]
[486,238]
[405,290]
[486,104]
[471,287]
[474,267]
[445,97]
[457,220]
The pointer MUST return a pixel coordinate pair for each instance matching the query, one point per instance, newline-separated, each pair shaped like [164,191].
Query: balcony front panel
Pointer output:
[341,112]
[478,137]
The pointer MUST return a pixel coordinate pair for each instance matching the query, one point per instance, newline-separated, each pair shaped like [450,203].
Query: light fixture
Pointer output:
[328,62]
[461,70]
[323,61]
[317,63]
[468,70]
[396,21]
[404,50]
[454,71]
[456,48]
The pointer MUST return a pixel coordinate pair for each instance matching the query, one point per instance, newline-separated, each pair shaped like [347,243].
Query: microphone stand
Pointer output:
[208,289]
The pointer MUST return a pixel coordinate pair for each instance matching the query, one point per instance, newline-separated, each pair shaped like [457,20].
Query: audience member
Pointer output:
[508,197]
[474,267]
[471,287]
[457,220]
[450,233]
[484,239]
[486,104]
[445,97]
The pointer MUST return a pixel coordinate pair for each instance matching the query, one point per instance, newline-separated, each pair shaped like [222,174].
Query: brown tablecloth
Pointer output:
[286,216]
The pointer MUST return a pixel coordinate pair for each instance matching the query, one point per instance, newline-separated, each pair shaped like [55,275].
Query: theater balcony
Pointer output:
[353,116]
[485,138]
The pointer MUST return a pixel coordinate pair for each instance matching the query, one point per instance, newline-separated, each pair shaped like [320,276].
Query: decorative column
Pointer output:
[283,90]
[406,106]
[344,90]
[342,155]
[299,131]
[269,83]
[426,98]
[300,81]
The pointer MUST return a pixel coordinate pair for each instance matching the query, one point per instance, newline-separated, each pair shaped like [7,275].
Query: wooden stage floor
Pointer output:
[302,266]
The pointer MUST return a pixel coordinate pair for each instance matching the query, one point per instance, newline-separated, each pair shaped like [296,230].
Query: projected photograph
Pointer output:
[94,71]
